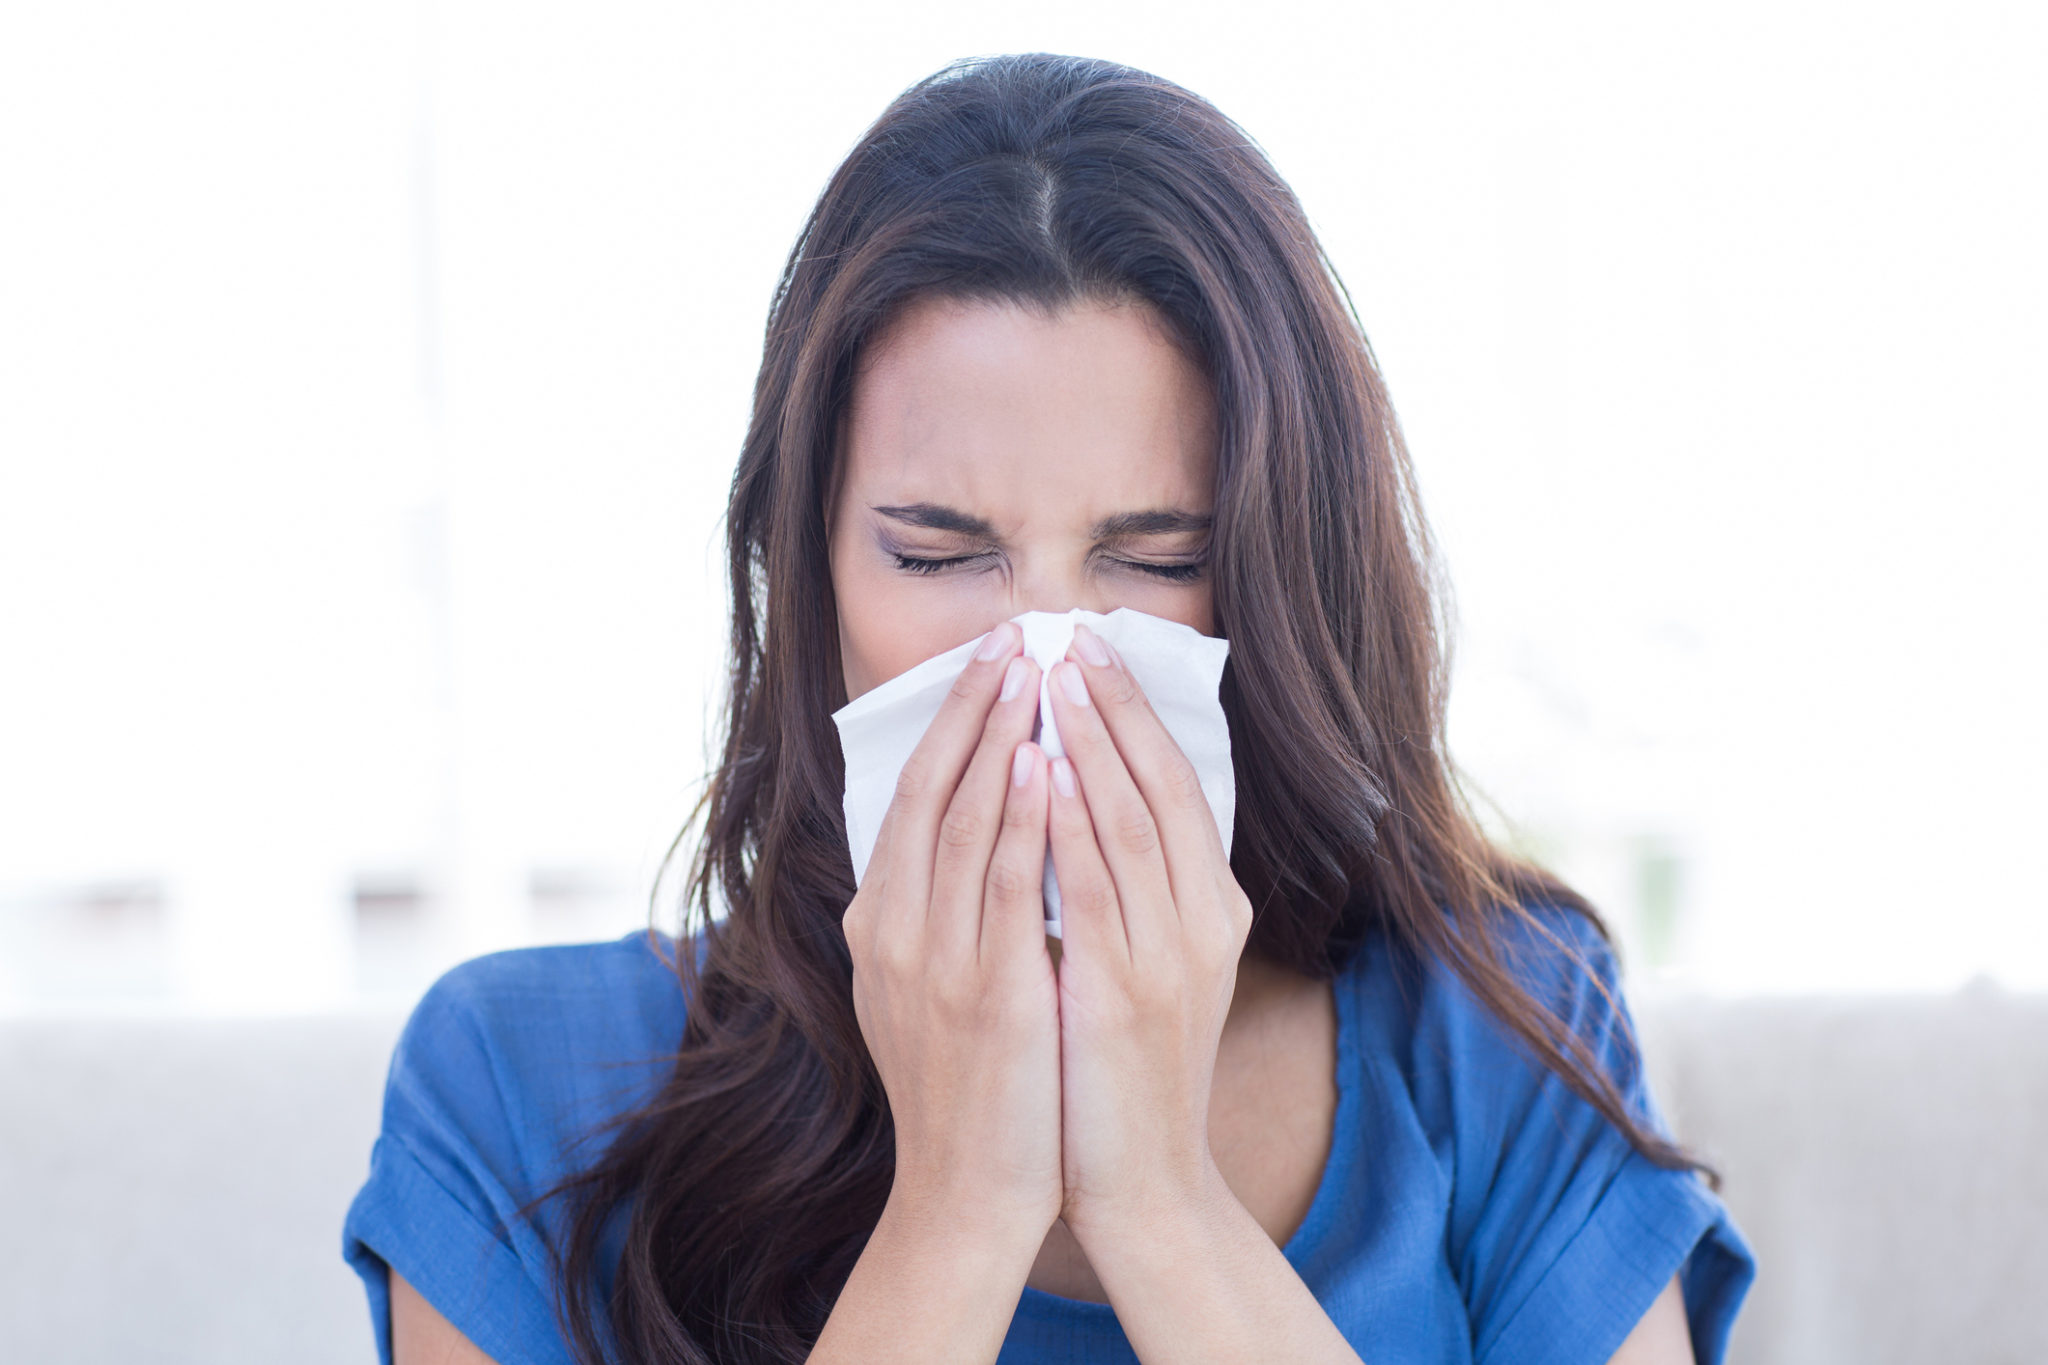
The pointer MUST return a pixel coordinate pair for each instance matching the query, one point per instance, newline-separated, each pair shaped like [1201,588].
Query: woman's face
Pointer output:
[1055,462]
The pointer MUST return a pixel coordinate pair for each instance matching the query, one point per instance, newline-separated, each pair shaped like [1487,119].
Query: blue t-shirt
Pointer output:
[1471,1210]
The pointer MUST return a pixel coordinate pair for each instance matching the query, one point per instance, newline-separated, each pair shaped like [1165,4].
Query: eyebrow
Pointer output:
[1154,521]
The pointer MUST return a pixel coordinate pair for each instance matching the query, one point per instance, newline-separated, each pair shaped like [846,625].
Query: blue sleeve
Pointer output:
[445,1181]
[1561,1234]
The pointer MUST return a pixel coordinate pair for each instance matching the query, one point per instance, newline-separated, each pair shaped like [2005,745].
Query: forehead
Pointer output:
[1017,415]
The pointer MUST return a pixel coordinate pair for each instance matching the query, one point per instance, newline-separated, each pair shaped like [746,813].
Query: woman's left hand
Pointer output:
[1153,924]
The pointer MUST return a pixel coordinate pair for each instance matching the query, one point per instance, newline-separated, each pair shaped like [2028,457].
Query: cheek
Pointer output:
[1192,605]
[889,622]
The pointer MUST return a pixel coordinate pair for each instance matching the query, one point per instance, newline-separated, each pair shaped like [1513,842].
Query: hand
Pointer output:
[1153,925]
[953,986]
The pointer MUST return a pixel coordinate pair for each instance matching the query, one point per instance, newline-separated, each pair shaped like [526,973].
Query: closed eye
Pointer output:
[1175,573]
[911,564]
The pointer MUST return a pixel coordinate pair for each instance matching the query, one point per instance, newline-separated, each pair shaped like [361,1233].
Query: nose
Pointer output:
[1055,587]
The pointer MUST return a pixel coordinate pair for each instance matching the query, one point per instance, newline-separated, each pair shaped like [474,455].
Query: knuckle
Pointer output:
[912,782]
[963,827]
[1008,883]
[1119,688]
[1154,990]
[1093,894]
[1184,786]
[1135,830]
[1018,813]
[1213,946]
[955,995]
[894,956]
[1154,987]
[968,685]
[1240,932]
[1084,738]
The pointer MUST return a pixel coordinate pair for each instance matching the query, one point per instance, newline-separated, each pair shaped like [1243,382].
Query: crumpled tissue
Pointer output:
[1179,668]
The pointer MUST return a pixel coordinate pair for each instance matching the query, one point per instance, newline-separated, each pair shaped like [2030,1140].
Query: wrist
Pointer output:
[1192,1207]
[966,1220]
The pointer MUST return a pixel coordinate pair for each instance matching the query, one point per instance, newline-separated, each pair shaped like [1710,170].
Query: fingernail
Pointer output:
[998,640]
[1020,766]
[1090,646]
[1013,679]
[1070,680]
[1063,776]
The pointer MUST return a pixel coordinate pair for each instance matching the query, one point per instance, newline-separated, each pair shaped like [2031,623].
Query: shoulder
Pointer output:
[547,1037]
[1559,1232]
[615,990]
[506,1067]
[1556,953]
[1440,1028]
[1561,961]
[557,975]
[1478,1076]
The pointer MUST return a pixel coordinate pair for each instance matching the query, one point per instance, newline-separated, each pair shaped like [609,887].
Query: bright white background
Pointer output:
[371,375]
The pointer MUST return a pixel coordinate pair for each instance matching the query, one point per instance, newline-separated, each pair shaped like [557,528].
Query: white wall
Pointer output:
[371,375]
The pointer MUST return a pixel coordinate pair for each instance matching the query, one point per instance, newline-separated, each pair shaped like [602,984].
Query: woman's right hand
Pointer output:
[953,984]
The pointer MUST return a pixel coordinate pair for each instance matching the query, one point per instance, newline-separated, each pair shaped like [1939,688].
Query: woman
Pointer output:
[1056,336]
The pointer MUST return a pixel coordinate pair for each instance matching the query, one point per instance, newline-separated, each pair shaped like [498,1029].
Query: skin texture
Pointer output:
[421,1336]
[1143,1119]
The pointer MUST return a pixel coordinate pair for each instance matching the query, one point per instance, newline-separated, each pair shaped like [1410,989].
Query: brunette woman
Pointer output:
[1057,336]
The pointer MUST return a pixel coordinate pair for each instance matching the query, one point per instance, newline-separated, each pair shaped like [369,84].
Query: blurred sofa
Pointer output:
[173,1188]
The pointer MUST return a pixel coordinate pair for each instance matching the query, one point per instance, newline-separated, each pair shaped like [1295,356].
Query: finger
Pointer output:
[1124,825]
[1091,917]
[1172,787]
[1013,914]
[1190,844]
[975,816]
[925,786]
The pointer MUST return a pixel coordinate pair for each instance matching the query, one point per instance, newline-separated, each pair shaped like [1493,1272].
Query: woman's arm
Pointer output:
[937,1283]
[421,1336]
[1208,1284]
[1203,1281]
[1661,1337]
[931,1286]
[923,1290]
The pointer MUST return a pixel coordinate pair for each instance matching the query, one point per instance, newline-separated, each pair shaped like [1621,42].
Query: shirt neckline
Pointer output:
[1332,1191]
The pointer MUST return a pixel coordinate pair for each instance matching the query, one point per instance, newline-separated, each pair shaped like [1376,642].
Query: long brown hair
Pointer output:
[740,1196]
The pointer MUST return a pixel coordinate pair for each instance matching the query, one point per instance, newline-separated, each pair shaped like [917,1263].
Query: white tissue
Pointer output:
[1179,668]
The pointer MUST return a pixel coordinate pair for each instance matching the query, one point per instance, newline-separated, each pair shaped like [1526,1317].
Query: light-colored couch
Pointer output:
[172,1190]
